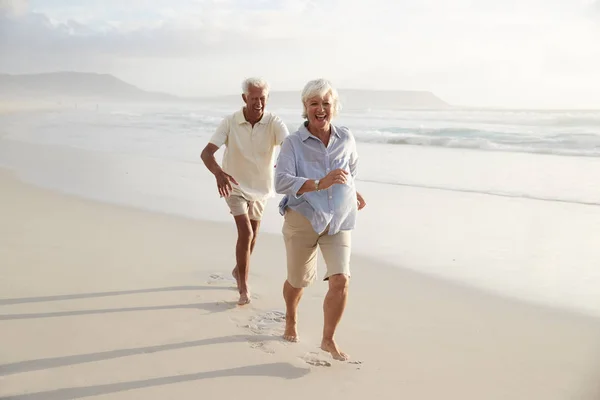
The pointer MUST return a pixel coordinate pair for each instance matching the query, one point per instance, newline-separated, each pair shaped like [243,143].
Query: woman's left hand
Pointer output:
[361,202]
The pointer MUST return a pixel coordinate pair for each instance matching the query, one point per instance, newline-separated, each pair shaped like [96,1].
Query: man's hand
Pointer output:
[224,183]
[337,176]
[223,179]
[361,202]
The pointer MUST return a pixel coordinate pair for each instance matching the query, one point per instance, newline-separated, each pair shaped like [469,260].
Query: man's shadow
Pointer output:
[211,307]
[275,370]
[23,300]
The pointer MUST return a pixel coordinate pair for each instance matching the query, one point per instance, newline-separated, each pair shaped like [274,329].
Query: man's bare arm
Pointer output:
[223,179]
[208,157]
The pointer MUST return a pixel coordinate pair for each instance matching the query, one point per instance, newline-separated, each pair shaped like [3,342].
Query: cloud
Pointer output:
[469,51]
[134,41]
[166,33]
[197,28]
[13,7]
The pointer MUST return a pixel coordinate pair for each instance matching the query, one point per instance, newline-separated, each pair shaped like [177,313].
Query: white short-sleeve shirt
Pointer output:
[250,152]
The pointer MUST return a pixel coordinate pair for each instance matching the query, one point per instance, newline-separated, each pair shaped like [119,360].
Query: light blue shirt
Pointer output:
[303,157]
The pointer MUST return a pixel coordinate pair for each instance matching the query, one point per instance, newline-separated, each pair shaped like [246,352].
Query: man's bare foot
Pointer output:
[244,299]
[329,346]
[290,334]
[235,275]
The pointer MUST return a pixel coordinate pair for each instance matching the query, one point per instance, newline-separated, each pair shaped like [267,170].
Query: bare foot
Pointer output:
[235,275]
[244,299]
[330,347]
[290,334]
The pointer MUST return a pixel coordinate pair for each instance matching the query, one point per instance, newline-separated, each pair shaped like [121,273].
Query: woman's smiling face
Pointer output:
[319,111]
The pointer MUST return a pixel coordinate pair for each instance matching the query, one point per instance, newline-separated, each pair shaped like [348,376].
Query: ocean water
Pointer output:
[178,132]
[161,130]
[507,201]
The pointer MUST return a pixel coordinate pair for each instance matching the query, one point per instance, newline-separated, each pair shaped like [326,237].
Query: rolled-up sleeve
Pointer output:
[286,180]
[353,158]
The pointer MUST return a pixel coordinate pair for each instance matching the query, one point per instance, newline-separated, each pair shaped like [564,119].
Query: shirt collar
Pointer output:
[240,119]
[305,133]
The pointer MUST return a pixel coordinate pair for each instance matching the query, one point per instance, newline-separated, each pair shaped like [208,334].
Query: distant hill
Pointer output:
[74,85]
[355,99]
[60,85]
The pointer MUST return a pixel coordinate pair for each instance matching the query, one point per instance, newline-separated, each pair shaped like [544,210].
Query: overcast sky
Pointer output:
[511,53]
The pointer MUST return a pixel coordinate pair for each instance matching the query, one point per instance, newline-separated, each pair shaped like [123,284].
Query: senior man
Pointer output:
[245,180]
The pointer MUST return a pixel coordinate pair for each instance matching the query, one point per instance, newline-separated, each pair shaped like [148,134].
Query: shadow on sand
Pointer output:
[6,302]
[56,362]
[275,370]
[212,307]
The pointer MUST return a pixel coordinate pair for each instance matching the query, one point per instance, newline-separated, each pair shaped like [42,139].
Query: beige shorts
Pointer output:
[240,206]
[301,242]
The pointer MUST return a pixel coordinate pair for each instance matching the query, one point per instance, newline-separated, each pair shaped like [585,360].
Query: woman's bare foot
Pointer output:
[330,346]
[244,299]
[290,334]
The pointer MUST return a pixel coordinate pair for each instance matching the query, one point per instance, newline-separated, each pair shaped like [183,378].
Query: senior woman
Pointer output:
[315,171]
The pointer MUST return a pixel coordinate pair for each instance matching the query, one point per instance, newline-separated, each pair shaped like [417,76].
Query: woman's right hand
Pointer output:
[337,176]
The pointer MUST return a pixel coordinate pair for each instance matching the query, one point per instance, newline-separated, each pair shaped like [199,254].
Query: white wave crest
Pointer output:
[572,145]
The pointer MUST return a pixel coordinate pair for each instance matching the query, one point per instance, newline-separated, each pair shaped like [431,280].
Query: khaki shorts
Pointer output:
[240,206]
[301,242]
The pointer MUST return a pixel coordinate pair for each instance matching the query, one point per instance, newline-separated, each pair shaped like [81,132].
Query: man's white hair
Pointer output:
[320,87]
[255,82]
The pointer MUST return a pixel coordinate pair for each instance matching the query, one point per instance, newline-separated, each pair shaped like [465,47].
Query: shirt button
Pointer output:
[330,197]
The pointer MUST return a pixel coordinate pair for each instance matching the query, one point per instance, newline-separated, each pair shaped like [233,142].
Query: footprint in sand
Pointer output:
[218,278]
[315,360]
[266,323]
[259,345]
[357,363]
[269,323]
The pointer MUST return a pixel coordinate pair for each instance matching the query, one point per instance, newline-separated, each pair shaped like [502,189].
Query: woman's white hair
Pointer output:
[255,82]
[320,87]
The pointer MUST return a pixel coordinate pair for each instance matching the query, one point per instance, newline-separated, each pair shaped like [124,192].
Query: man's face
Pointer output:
[256,101]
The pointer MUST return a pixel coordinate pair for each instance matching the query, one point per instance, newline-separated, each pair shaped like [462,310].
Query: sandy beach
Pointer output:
[13,106]
[475,265]
[115,302]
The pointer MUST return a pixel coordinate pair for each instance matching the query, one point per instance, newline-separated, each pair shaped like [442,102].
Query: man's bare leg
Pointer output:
[292,298]
[255,226]
[333,308]
[242,255]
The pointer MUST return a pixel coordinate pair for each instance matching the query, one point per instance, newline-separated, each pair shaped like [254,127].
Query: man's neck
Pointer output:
[253,120]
